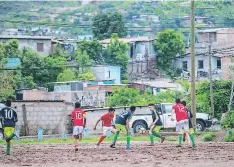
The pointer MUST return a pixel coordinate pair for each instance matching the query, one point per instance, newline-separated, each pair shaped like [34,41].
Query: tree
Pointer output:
[53,67]
[32,65]
[2,50]
[117,53]
[222,90]
[11,48]
[83,60]
[168,44]
[66,75]
[128,96]
[8,85]
[87,76]
[93,49]
[104,25]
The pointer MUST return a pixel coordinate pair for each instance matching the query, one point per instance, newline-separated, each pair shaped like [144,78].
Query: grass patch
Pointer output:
[86,140]
[230,137]
[209,137]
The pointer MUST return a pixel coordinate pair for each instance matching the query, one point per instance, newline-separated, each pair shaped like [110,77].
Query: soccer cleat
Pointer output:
[76,149]
[162,140]
[178,146]
[151,144]
[96,146]
[112,146]
[8,154]
[128,148]
[184,137]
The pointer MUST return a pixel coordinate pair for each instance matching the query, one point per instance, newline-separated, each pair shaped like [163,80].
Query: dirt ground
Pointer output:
[160,155]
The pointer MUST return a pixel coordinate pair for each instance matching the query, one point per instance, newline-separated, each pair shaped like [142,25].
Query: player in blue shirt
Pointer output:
[122,124]
[9,119]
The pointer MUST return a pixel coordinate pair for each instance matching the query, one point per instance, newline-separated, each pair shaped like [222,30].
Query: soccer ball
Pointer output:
[142,131]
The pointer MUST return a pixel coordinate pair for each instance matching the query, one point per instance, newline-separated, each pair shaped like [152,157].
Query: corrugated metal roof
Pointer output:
[128,40]
[38,101]
[24,37]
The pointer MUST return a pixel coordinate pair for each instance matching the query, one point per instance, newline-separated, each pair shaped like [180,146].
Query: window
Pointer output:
[131,51]
[185,65]
[200,64]
[40,47]
[219,64]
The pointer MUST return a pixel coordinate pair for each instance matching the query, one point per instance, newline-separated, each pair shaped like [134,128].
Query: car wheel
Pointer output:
[1,134]
[200,126]
[138,126]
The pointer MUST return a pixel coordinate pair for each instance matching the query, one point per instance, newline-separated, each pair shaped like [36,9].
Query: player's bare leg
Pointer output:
[188,138]
[80,136]
[75,143]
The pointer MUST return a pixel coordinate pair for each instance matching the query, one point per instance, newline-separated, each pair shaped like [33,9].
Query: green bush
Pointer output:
[125,82]
[209,137]
[228,122]
[230,137]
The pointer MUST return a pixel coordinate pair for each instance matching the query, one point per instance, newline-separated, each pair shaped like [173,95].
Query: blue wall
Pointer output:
[114,73]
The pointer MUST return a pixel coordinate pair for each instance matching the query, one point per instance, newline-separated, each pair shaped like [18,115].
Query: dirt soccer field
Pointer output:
[164,155]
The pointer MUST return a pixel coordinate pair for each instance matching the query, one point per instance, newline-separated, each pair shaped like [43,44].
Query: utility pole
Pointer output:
[192,59]
[211,82]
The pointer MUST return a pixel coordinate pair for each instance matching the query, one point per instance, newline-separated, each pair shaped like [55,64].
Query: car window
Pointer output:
[168,108]
[143,110]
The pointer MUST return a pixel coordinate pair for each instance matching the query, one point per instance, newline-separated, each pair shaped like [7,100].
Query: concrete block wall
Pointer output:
[54,117]
[51,116]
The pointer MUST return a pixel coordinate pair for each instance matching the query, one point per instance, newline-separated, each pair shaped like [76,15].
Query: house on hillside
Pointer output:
[43,45]
[156,86]
[107,72]
[218,39]
[142,56]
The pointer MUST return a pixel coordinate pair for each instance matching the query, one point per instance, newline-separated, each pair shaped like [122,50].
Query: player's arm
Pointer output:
[173,114]
[72,116]
[84,116]
[191,115]
[127,123]
[96,124]
[154,122]
[15,117]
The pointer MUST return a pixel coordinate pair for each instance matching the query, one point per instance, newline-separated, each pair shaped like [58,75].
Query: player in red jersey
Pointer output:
[106,119]
[79,122]
[179,111]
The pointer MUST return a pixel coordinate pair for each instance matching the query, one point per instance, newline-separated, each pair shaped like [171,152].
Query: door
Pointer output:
[167,110]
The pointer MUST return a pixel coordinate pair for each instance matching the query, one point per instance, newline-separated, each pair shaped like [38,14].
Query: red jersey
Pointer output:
[107,119]
[78,116]
[180,111]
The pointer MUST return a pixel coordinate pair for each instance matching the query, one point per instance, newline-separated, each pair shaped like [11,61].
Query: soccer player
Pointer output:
[9,119]
[179,111]
[155,126]
[106,124]
[122,124]
[191,130]
[79,123]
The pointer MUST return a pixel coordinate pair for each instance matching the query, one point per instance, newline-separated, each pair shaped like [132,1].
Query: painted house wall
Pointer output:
[107,73]
[178,63]
[32,43]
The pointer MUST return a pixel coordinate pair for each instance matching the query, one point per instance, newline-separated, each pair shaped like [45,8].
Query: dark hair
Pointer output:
[151,104]
[177,101]
[132,108]
[111,109]
[8,103]
[77,105]
[183,102]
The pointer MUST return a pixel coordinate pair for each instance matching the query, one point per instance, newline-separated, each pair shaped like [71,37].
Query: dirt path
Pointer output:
[165,155]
